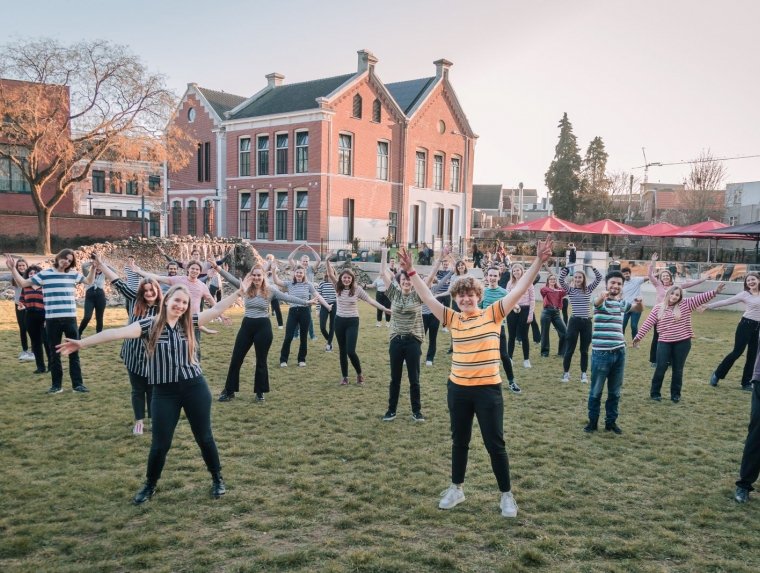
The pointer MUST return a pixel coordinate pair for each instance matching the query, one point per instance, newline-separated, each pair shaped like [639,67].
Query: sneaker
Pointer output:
[55,390]
[389,416]
[146,492]
[81,388]
[527,364]
[741,495]
[138,429]
[514,388]
[259,397]
[302,364]
[508,505]
[714,379]
[379,324]
[451,497]
[328,347]
[544,355]
[40,371]
[656,398]
[22,355]
[27,356]
[675,399]
[428,362]
[279,327]
[418,417]
[653,364]
[592,426]
[283,364]
[566,377]
[747,387]
[344,381]
[612,427]
[359,380]
[226,396]
[445,329]
[584,378]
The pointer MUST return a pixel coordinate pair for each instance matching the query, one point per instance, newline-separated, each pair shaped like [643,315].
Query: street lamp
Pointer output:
[90,197]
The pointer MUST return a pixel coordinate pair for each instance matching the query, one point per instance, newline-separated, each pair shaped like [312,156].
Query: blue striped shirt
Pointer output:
[608,325]
[59,292]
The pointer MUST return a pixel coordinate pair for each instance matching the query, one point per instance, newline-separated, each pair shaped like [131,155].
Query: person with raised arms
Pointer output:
[176,376]
[474,385]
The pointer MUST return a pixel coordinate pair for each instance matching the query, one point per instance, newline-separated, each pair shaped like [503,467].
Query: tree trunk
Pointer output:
[43,231]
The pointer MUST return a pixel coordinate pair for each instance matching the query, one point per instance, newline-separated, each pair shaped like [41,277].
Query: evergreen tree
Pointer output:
[594,201]
[563,176]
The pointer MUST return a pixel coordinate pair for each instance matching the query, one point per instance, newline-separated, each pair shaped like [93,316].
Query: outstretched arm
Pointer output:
[215,311]
[317,258]
[11,264]
[543,252]
[650,271]
[384,266]
[147,275]
[229,277]
[292,257]
[130,331]
[331,276]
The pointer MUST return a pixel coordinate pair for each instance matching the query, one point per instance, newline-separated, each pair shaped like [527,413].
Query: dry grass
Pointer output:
[318,483]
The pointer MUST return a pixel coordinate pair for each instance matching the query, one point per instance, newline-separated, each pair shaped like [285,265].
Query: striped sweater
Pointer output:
[668,328]
[580,299]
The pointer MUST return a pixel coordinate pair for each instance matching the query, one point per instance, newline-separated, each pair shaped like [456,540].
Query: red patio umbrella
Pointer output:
[610,227]
[699,230]
[550,224]
[659,229]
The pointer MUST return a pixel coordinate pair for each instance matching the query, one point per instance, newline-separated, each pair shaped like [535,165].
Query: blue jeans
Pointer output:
[606,365]
[634,318]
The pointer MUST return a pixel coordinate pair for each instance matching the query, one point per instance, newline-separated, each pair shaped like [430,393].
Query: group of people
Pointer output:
[162,340]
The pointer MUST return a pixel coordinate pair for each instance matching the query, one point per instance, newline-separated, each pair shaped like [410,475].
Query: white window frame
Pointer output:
[350,154]
[260,210]
[379,167]
[277,210]
[277,150]
[244,233]
[297,147]
[240,156]
[268,150]
[455,183]
[420,177]
[296,211]
[438,168]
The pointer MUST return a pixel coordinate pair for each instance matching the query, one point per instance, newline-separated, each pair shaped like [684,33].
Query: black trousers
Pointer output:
[745,338]
[327,322]
[536,330]
[431,324]
[298,318]
[487,404]
[565,304]
[653,345]
[277,310]
[577,327]
[505,361]
[35,326]
[256,332]
[194,397]
[94,299]
[347,333]
[517,325]
[673,354]
[405,349]
[21,320]
[142,394]
[56,329]
[750,467]
[385,301]
[551,316]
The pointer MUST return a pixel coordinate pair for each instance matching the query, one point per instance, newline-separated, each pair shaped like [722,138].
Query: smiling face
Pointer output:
[258,277]
[346,279]
[551,281]
[467,300]
[405,283]
[305,260]
[461,268]
[445,264]
[578,279]
[674,296]
[171,269]
[299,274]
[492,278]
[149,292]
[517,272]
[614,286]
[751,283]
[626,275]
[177,304]
[21,267]
[31,273]
[193,270]
[666,278]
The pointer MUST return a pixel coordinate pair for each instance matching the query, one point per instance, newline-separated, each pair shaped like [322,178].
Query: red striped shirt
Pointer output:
[32,299]
[668,328]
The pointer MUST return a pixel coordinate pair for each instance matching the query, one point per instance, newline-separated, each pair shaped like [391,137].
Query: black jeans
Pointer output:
[750,468]
[21,320]
[745,337]
[256,332]
[536,330]
[385,301]
[653,346]
[298,317]
[347,333]
[517,325]
[487,403]
[277,310]
[575,328]
[504,355]
[35,326]
[673,353]
[407,349]
[194,397]
[56,329]
[94,299]
[565,304]
[431,324]
[142,393]
[327,322]
[551,316]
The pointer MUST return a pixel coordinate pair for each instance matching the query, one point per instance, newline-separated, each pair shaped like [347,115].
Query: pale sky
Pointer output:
[674,76]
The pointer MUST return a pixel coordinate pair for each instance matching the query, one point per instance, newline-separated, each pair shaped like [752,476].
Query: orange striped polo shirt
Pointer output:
[475,359]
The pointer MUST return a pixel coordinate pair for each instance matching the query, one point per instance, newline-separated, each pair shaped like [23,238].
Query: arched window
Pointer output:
[192,221]
[357,110]
[376,111]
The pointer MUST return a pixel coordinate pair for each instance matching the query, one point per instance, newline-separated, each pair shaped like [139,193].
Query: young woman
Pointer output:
[746,331]
[327,317]
[521,317]
[406,334]
[662,281]
[299,316]
[144,302]
[21,267]
[672,317]
[474,386]
[177,379]
[491,294]
[270,268]
[431,323]
[579,324]
[347,296]
[552,295]
[94,300]
[379,285]
[256,330]
[33,302]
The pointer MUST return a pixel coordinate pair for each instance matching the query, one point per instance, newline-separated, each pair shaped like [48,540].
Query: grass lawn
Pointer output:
[317,482]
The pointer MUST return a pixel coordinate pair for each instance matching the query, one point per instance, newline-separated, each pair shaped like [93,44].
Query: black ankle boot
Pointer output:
[217,485]
[592,426]
[146,492]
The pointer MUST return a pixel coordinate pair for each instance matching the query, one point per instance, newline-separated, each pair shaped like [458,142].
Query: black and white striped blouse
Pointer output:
[305,291]
[171,360]
[133,351]
[258,306]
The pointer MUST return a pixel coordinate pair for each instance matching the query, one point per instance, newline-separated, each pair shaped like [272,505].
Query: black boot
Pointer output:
[592,426]
[226,396]
[145,493]
[217,485]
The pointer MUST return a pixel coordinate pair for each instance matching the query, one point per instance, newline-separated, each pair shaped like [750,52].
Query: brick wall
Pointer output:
[15,226]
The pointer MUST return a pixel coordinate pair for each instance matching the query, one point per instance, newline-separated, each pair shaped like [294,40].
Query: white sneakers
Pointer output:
[379,324]
[302,364]
[566,377]
[584,378]
[428,362]
[527,364]
[328,347]
[508,505]
[451,497]
[26,356]
[283,364]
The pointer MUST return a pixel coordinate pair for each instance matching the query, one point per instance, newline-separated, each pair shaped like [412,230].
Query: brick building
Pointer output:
[337,159]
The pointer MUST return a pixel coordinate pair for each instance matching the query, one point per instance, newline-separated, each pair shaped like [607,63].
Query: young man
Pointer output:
[631,291]
[59,296]
[608,352]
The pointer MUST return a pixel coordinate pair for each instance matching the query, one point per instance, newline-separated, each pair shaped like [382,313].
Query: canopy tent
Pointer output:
[748,231]
[698,230]
[610,227]
[550,224]
[659,229]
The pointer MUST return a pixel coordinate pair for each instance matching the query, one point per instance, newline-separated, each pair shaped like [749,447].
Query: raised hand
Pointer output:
[544,249]
[720,287]
[246,283]
[655,257]
[405,259]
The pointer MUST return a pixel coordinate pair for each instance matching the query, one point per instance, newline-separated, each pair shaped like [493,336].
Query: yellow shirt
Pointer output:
[475,359]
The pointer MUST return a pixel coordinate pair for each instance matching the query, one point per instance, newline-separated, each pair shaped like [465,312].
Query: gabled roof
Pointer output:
[291,97]
[221,101]
[486,197]
[408,93]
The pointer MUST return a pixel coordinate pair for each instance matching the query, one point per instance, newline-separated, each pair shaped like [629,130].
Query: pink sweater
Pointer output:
[527,299]
[662,289]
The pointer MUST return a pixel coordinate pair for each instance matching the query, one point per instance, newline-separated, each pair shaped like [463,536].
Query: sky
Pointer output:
[673,76]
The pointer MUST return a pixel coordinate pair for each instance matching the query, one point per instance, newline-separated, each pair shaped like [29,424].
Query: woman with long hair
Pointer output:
[33,302]
[270,268]
[552,295]
[21,267]
[176,376]
[579,324]
[746,331]
[144,302]
[347,296]
[441,287]
[94,300]
[518,321]
[255,330]
[672,317]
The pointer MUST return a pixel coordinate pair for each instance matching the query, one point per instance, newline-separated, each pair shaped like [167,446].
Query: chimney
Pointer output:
[442,68]
[274,80]
[367,61]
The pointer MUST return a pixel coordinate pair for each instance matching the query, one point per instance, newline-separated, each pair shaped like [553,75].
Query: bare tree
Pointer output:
[702,197]
[73,105]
